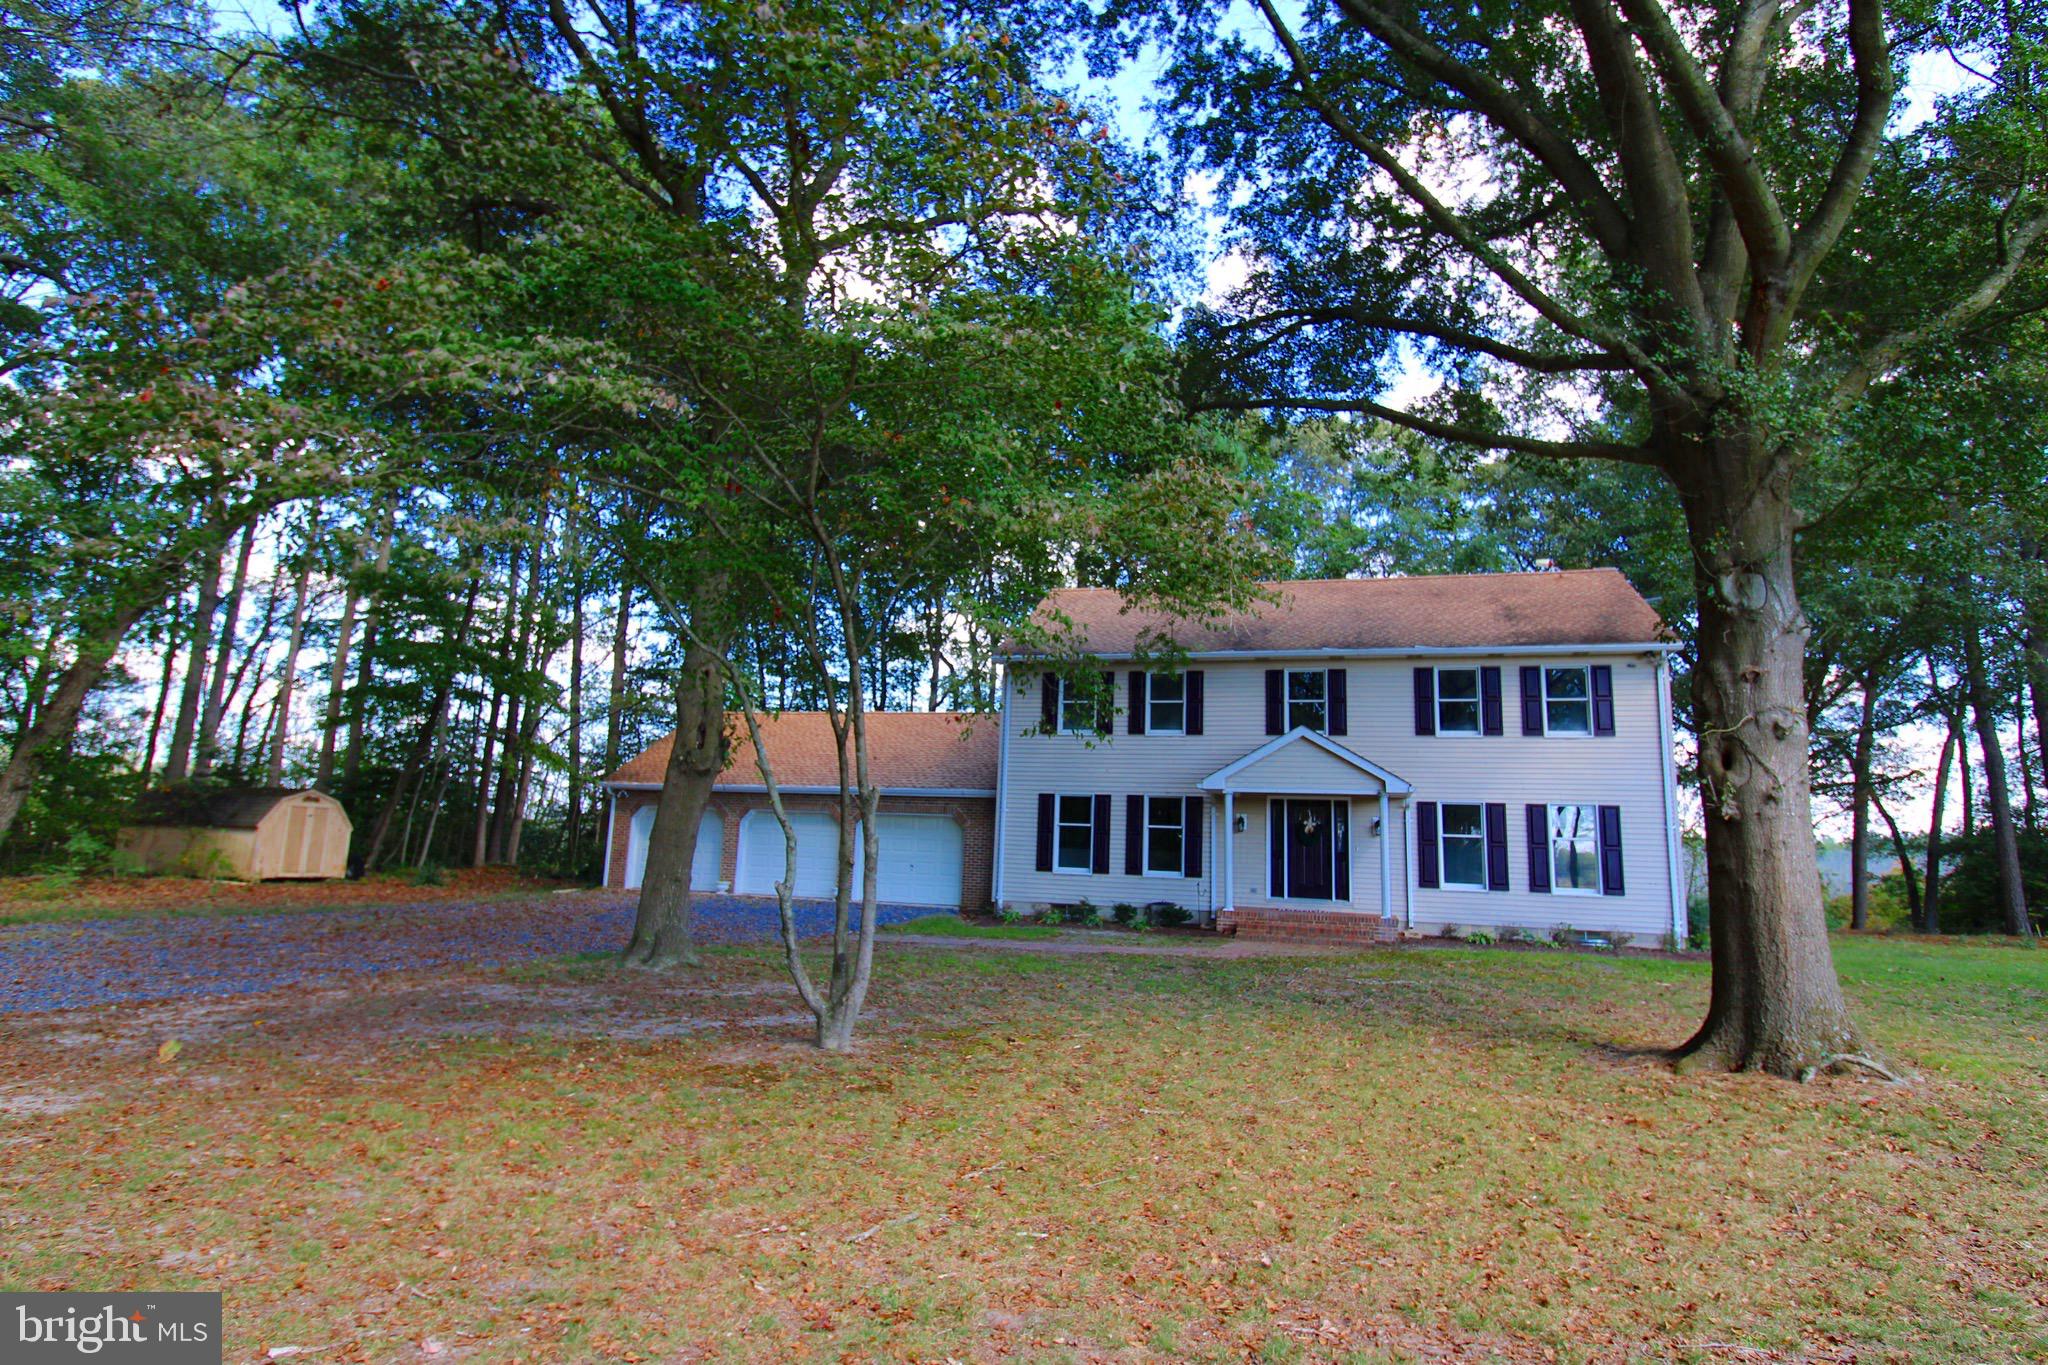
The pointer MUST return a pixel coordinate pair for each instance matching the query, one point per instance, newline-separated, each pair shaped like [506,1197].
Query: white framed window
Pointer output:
[1166,704]
[1567,701]
[1457,701]
[1073,841]
[1077,712]
[1575,850]
[1308,692]
[1165,836]
[1461,842]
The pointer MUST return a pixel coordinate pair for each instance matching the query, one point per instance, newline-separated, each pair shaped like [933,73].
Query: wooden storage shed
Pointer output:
[248,834]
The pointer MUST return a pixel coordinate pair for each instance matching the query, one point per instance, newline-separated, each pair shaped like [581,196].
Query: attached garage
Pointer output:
[936,772]
[703,863]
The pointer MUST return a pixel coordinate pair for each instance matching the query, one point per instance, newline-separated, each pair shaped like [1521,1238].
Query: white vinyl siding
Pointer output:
[1625,770]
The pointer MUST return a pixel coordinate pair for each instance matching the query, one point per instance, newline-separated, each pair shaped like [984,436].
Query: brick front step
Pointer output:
[1307,926]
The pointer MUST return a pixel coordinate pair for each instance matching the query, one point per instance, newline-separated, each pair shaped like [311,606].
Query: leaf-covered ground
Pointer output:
[47,899]
[1403,1155]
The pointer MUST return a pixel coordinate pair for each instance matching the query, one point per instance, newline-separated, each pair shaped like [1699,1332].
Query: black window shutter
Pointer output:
[1538,826]
[1049,701]
[1532,701]
[1496,846]
[1134,836]
[1603,699]
[1425,701]
[1276,681]
[1192,815]
[1194,702]
[1045,830]
[1340,881]
[1339,691]
[1425,844]
[1137,721]
[1276,848]
[1610,851]
[1489,701]
[1105,705]
[1101,860]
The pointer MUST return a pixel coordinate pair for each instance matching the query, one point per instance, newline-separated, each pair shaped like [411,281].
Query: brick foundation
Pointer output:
[1308,926]
[976,816]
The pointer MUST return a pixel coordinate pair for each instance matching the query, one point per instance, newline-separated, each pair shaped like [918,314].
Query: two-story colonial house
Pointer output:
[1346,757]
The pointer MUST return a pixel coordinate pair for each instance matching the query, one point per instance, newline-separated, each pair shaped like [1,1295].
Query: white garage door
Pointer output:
[761,857]
[703,865]
[919,859]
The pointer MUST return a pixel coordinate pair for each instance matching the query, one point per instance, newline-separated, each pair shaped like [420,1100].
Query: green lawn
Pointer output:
[952,926]
[1454,1154]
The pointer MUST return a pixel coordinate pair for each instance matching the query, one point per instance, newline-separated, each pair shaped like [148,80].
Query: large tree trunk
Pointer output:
[1776,1004]
[621,652]
[366,662]
[58,720]
[1930,904]
[662,925]
[1859,817]
[178,766]
[223,653]
[2012,893]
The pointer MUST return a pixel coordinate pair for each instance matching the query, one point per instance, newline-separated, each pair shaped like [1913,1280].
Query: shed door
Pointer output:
[919,859]
[297,818]
[761,854]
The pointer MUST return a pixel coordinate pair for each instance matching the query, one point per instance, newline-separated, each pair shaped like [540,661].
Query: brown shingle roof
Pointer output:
[1441,611]
[932,750]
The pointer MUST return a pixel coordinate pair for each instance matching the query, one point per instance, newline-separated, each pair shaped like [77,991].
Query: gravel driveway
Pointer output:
[103,962]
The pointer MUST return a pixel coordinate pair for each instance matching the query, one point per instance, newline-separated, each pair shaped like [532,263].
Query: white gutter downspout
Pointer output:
[611,818]
[1673,861]
[1386,857]
[1002,786]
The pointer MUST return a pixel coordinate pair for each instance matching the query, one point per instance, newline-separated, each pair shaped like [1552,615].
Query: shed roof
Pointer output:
[1435,611]
[907,750]
[228,808]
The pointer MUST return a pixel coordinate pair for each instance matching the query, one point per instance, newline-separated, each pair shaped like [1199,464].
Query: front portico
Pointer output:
[1298,811]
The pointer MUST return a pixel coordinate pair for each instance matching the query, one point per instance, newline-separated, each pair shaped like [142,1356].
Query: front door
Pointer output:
[1312,850]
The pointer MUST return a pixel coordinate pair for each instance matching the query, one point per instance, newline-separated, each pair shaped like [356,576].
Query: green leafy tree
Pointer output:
[1687,238]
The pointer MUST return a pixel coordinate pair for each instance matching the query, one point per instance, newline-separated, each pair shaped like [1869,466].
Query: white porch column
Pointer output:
[1386,857]
[1229,842]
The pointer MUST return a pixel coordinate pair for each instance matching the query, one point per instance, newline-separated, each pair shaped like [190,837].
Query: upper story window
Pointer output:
[1073,842]
[1308,699]
[1078,712]
[1567,702]
[1575,849]
[1165,836]
[1462,838]
[1457,701]
[1166,704]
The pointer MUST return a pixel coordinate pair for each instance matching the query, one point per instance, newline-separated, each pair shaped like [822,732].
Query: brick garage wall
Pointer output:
[976,816]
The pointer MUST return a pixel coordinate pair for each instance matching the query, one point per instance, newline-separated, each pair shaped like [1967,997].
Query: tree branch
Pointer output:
[1540,362]
[1500,105]
[1446,431]
[1889,350]
[1450,224]
[1872,56]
